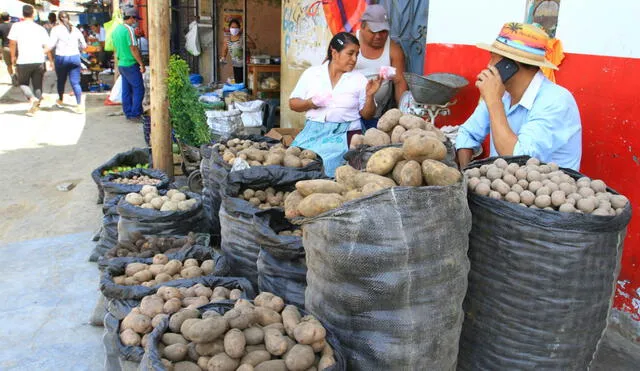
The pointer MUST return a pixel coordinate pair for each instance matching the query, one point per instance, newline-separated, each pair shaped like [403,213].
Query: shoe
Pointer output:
[79,109]
[35,106]
[59,103]
[136,120]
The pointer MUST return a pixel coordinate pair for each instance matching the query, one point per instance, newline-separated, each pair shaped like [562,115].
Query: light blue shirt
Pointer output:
[546,121]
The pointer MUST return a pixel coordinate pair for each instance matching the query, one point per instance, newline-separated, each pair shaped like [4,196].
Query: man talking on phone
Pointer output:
[523,111]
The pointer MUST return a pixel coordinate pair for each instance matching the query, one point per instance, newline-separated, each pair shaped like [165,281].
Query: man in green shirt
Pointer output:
[130,65]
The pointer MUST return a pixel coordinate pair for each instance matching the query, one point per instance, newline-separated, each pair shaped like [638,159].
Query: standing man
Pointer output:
[28,44]
[130,65]
[53,20]
[524,112]
[5,27]
[377,50]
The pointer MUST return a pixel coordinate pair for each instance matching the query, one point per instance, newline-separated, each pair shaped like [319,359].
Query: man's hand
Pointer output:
[143,69]
[50,66]
[490,85]
[372,86]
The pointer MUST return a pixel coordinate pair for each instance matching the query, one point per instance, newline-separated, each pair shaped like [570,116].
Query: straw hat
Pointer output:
[525,43]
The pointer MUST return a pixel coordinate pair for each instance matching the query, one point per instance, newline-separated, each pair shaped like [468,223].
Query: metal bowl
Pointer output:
[436,88]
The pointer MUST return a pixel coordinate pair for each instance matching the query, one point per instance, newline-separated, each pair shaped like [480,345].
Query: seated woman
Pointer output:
[335,100]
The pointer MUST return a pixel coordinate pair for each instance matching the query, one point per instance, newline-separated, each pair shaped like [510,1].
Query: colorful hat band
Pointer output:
[517,51]
[521,46]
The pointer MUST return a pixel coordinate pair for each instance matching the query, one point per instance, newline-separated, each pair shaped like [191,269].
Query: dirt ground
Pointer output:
[56,146]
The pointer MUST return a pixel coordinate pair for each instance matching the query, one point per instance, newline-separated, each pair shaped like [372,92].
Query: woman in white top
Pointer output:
[67,41]
[335,98]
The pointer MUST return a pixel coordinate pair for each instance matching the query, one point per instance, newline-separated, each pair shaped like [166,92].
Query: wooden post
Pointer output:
[158,11]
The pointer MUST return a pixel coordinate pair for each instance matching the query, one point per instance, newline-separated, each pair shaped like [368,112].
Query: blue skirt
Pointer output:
[327,139]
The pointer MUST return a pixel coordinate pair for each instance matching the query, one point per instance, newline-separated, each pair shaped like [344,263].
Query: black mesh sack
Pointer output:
[281,262]
[130,158]
[387,274]
[109,232]
[112,188]
[540,286]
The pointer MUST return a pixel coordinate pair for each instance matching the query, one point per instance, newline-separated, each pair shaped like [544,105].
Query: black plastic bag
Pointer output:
[155,222]
[282,269]
[151,361]
[113,345]
[109,232]
[116,267]
[130,158]
[240,241]
[207,203]
[112,188]
[540,285]
[199,239]
[387,273]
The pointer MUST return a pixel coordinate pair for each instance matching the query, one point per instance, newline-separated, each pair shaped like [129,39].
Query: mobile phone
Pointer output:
[507,68]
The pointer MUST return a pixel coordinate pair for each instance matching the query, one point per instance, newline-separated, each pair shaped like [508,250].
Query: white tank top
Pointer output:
[368,66]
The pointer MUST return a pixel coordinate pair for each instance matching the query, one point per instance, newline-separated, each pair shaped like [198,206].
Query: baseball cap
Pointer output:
[131,12]
[376,17]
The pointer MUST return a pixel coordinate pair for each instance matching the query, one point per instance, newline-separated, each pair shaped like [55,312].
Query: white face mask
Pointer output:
[234,31]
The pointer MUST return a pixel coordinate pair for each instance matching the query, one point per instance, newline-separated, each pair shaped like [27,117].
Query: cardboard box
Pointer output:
[285,136]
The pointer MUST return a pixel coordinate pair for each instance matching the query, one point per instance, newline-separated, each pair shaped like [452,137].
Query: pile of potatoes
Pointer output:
[415,164]
[260,154]
[136,326]
[262,336]
[140,246]
[138,180]
[395,127]
[544,186]
[163,270]
[148,198]
[294,232]
[264,199]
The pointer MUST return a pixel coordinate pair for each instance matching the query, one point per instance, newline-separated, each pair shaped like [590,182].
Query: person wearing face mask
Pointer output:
[334,98]
[234,46]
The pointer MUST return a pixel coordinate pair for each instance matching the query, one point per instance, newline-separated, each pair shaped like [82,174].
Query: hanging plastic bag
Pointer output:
[192,40]
[116,19]
[115,96]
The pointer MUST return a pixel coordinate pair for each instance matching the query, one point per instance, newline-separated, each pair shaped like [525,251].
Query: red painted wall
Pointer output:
[606,90]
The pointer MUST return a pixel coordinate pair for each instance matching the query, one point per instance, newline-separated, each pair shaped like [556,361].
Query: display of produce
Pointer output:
[544,186]
[394,127]
[148,198]
[264,335]
[139,180]
[146,247]
[260,154]
[415,164]
[264,199]
[121,169]
[163,270]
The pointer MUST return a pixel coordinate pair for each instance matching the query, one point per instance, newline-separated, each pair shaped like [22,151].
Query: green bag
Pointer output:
[116,19]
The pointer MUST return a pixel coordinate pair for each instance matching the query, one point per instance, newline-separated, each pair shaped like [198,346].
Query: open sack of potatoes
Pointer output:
[264,334]
[266,154]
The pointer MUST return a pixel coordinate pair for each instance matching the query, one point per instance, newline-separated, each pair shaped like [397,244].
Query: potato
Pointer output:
[436,173]
[176,320]
[269,300]
[412,122]
[567,208]
[396,134]
[134,199]
[309,331]
[266,316]
[543,191]
[163,277]
[500,186]
[130,338]
[420,149]
[308,154]
[375,137]
[275,326]
[586,205]
[356,140]
[291,203]
[543,201]
[239,319]
[172,267]
[191,272]
[362,179]
[294,151]
[418,133]
[138,322]
[203,330]
[346,175]
[383,161]
[319,203]
[245,367]
[275,342]
[389,120]
[558,198]
[186,366]
[155,321]
[169,338]
[598,185]
[256,357]
[308,187]
[291,161]
[509,179]
[273,365]
[512,197]
[133,268]
[151,305]
[175,352]
[353,194]
[195,302]
[619,201]
[240,303]
[290,318]
[495,195]
[172,306]
[169,206]
[274,158]
[326,362]
[253,348]
[482,189]
[149,197]
[211,348]
[148,189]
[222,362]
[208,266]
[299,358]
[143,276]
[254,335]
[397,170]
[411,174]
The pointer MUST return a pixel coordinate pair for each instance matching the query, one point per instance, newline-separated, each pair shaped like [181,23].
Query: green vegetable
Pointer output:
[186,112]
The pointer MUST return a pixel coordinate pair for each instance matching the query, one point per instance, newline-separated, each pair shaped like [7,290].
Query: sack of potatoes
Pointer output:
[417,163]
[262,154]
[140,246]
[134,329]
[536,185]
[396,127]
[264,199]
[150,198]
[262,335]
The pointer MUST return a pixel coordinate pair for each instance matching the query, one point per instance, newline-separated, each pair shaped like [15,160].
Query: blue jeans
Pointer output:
[69,66]
[132,91]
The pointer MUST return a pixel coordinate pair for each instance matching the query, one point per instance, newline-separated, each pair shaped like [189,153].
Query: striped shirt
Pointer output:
[123,38]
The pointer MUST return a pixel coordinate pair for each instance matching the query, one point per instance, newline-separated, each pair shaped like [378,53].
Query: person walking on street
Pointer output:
[28,42]
[130,65]
[5,27]
[51,24]
[67,41]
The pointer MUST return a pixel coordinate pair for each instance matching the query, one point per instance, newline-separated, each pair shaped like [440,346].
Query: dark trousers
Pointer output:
[69,66]
[238,75]
[31,72]
[132,90]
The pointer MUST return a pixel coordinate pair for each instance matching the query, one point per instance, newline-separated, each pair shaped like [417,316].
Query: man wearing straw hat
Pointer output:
[527,114]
